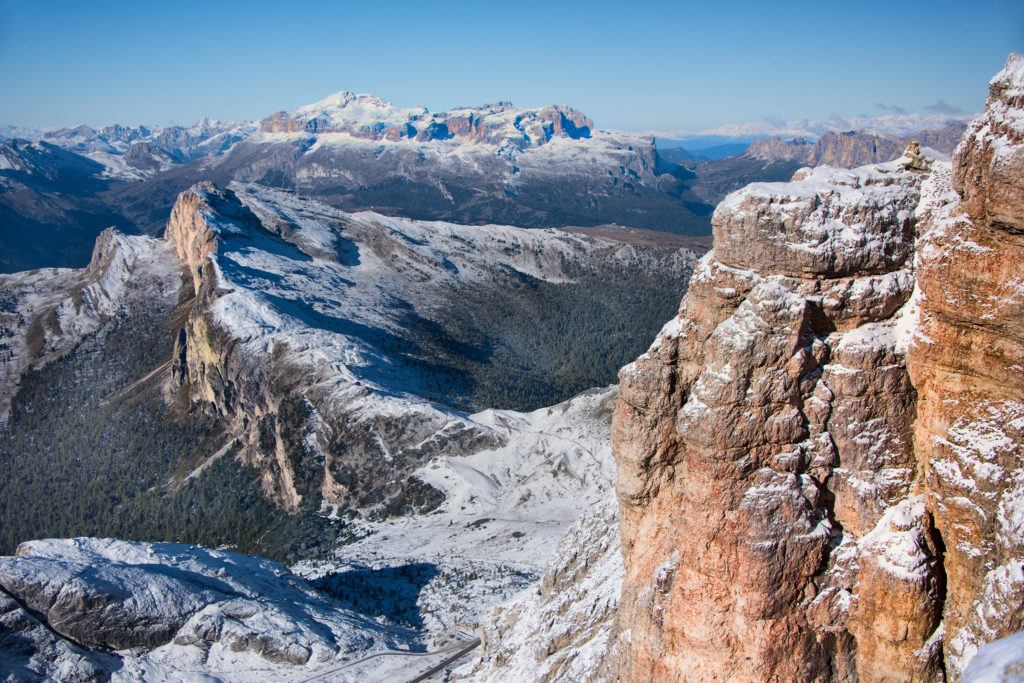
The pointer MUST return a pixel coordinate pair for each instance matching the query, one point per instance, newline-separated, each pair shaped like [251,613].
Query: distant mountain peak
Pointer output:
[345,107]
[370,117]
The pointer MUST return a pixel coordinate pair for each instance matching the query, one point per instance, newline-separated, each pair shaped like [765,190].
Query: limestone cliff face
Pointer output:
[189,232]
[820,458]
[767,431]
[968,367]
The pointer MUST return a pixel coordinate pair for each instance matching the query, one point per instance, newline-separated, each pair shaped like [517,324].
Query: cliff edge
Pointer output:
[820,458]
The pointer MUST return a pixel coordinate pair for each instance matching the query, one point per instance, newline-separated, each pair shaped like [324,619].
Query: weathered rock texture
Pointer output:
[968,367]
[804,498]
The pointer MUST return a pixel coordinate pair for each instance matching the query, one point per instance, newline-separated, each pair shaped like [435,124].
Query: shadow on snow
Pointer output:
[390,592]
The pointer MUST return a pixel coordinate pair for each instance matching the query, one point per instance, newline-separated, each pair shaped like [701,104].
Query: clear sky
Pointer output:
[630,64]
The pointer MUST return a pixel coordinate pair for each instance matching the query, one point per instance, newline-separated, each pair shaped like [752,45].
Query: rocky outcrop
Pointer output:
[94,606]
[189,232]
[819,459]
[853,148]
[309,425]
[776,159]
[766,432]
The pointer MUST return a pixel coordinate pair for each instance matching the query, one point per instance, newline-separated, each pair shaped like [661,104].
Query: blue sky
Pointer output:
[633,65]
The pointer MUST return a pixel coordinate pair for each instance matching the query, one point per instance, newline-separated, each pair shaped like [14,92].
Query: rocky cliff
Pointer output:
[775,159]
[820,458]
[968,365]
[853,148]
[282,373]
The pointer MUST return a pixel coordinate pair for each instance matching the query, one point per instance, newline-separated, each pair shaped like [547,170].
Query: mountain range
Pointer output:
[376,344]
[546,167]
[538,168]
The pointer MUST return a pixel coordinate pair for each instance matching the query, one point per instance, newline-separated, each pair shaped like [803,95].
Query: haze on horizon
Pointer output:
[653,65]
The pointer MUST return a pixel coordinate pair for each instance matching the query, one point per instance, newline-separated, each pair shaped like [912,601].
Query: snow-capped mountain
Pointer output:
[369,117]
[138,152]
[544,167]
[498,163]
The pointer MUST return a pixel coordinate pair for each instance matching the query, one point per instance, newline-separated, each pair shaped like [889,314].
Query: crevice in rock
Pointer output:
[818,322]
[941,586]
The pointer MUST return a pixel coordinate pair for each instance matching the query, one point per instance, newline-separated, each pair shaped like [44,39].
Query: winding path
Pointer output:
[460,648]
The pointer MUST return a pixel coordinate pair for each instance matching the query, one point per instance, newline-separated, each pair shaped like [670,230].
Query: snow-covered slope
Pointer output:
[46,312]
[1001,661]
[560,629]
[166,611]
[504,511]
[331,332]
[85,608]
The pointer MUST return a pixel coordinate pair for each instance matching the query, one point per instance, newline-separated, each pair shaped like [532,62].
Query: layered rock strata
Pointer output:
[819,459]
[968,367]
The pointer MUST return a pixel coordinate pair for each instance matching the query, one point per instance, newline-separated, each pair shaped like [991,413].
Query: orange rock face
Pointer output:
[968,366]
[190,235]
[820,459]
